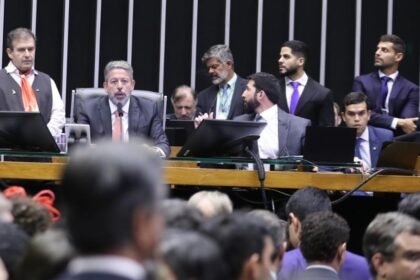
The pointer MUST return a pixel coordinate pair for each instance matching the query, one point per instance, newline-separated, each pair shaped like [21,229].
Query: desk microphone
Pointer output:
[119,110]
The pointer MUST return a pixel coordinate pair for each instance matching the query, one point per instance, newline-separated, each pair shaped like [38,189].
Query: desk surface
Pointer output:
[188,174]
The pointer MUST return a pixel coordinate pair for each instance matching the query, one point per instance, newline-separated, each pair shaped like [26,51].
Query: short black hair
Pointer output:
[177,213]
[306,201]
[399,44]
[355,98]
[322,234]
[299,48]
[410,205]
[268,83]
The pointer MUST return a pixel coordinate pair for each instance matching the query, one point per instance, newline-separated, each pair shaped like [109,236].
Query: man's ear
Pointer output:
[294,221]
[379,264]
[399,56]
[341,252]
[251,267]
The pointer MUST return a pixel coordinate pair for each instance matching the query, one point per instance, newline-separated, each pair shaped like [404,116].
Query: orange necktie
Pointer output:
[117,128]
[28,96]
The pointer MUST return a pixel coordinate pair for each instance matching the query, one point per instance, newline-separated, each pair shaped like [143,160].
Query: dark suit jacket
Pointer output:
[315,103]
[355,267]
[207,100]
[403,102]
[377,136]
[143,120]
[318,273]
[93,276]
[291,132]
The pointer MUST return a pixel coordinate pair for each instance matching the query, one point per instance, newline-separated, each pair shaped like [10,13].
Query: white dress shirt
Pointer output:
[289,88]
[268,143]
[58,115]
[365,147]
[390,85]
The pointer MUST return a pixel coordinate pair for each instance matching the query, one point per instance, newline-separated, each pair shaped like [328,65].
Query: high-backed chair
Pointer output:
[80,95]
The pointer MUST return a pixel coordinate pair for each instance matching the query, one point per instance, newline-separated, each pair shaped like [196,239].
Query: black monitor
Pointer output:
[178,131]
[25,131]
[220,137]
[399,154]
[329,144]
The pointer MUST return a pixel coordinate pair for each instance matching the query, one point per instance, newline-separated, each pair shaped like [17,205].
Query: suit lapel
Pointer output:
[283,131]
[396,88]
[134,116]
[306,96]
[282,97]
[105,115]
[373,146]
[236,102]
[377,89]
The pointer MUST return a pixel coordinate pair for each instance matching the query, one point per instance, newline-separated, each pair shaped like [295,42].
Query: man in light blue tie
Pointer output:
[356,114]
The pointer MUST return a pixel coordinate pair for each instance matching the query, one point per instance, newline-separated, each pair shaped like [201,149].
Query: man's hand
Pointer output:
[407,125]
[200,118]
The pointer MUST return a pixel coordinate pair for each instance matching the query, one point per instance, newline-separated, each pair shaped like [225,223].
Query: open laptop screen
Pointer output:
[25,131]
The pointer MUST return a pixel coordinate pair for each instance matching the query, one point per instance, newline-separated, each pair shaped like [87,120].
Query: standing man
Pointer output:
[22,88]
[299,94]
[184,103]
[369,138]
[222,99]
[121,115]
[394,99]
[284,134]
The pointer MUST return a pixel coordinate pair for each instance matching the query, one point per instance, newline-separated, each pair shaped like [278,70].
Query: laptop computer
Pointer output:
[178,131]
[329,144]
[399,154]
[220,137]
[25,131]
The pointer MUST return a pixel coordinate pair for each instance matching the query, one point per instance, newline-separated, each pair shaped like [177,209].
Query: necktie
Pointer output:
[117,128]
[384,89]
[295,97]
[357,148]
[259,118]
[28,96]
[223,101]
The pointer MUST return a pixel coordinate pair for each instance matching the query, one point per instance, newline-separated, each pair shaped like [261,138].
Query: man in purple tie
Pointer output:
[394,99]
[299,94]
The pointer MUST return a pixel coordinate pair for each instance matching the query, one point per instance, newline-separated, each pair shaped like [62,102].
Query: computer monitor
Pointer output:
[25,131]
[178,131]
[220,137]
[399,154]
[329,144]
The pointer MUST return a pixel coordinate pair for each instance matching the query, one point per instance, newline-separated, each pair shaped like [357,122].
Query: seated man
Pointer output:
[369,139]
[184,103]
[391,245]
[121,115]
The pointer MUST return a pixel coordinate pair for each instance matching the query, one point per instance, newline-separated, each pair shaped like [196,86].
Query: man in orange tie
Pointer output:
[22,88]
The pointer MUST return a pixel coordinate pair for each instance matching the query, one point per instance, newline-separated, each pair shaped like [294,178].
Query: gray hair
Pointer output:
[221,202]
[381,233]
[19,33]
[220,52]
[118,64]
[180,95]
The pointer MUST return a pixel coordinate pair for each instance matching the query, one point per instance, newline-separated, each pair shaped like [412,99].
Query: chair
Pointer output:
[80,95]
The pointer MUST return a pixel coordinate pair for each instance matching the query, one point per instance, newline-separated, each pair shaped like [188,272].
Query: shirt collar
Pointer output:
[232,81]
[113,107]
[270,113]
[393,76]
[365,134]
[302,80]
[11,68]
[321,266]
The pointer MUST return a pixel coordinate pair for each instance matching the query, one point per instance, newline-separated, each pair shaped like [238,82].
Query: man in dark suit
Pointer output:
[369,140]
[223,99]
[299,94]
[323,244]
[394,99]
[112,192]
[121,115]
[284,134]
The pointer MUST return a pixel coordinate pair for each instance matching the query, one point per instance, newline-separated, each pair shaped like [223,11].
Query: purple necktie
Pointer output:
[384,89]
[295,97]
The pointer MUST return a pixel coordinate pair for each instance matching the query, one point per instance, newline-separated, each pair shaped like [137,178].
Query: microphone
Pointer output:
[119,110]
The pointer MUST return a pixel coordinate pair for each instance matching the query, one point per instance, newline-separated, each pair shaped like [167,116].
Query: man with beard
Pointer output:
[394,99]
[299,94]
[284,134]
[121,115]
[223,99]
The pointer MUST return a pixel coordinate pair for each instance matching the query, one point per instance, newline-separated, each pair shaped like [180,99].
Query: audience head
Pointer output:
[389,52]
[21,45]
[293,57]
[211,203]
[118,81]
[261,92]
[184,102]
[277,230]
[5,210]
[356,112]
[192,255]
[323,239]
[410,205]
[218,60]
[391,245]
[337,115]
[178,214]
[302,203]
[112,192]
[246,245]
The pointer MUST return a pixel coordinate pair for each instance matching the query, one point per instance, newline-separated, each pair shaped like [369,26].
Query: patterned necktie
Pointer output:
[295,97]
[28,96]
[224,100]
[357,148]
[384,89]
[117,128]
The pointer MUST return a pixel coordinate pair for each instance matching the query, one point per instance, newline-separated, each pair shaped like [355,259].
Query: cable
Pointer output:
[261,174]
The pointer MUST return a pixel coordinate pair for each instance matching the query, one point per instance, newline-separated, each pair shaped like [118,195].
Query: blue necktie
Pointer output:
[295,97]
[384,89]
[224,100]
[357,148]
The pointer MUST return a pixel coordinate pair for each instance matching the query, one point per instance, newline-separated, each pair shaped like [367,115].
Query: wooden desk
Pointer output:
[188,174]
